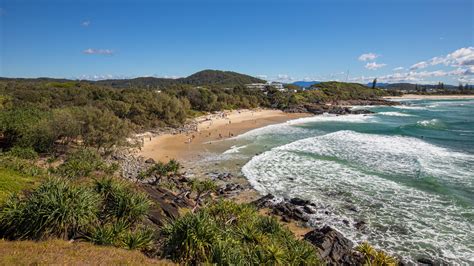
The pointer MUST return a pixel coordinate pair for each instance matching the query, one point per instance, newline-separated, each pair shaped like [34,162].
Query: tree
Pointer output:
[374,83]
[160,170]
[101,129]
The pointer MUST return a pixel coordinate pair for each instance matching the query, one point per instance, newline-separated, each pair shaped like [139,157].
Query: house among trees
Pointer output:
[263,86]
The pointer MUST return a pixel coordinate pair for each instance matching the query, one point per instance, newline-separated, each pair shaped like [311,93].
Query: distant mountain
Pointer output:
[201,78]
[378,85]
[305,84]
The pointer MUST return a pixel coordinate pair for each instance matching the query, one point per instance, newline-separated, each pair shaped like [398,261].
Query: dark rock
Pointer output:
[360,225]
[264,202]
[425,261]
[299,202]
[309,209]
[333,247]
[230,188]
[167,204]
[361,111]
[346,222]
[353,208]
[183,179]
[150,160]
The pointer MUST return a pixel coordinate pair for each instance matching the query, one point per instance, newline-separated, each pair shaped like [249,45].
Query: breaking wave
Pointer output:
[384,178]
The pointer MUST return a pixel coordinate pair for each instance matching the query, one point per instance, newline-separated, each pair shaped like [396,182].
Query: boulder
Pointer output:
[150,160]
[299,202]
[264,202]
[309,209]
[333,247]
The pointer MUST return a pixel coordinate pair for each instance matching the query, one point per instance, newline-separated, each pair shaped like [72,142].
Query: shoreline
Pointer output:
[234,185]
[208,134]
[428,97]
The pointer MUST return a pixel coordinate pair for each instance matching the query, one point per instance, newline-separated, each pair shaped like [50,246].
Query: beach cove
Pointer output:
[273,159]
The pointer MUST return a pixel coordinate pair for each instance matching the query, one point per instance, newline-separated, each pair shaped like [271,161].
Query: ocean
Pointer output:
[406,172]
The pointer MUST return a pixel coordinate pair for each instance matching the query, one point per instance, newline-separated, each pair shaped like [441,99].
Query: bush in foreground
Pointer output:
[227,233]
[54,209]
[109,213]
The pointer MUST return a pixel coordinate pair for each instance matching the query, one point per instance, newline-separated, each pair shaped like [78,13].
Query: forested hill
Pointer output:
[202,78]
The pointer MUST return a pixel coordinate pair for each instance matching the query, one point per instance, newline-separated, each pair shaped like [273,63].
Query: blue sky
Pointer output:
[417,41]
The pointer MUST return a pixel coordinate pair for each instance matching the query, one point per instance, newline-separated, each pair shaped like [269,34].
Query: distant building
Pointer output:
[261,86]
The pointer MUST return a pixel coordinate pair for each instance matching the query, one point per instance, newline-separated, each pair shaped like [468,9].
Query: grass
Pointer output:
[59,252]
[13,182]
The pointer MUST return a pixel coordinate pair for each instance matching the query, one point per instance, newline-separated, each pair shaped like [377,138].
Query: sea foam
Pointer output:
[348,168]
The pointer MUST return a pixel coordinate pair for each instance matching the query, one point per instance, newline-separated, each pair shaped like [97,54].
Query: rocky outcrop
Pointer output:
[333,247]
[319,109]
[339,108]
[288,209]
[231,189]
[368,102]
[225,176]
[166,204]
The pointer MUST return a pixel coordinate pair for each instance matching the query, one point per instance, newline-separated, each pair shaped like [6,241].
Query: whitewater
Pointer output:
[406,172]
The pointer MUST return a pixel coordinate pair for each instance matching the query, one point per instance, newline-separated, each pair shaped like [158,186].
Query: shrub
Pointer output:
[121,202]
[190,239]
[227,233]
[141,239]
[55,209]
[375,257]
[81,163]
[108,234]
[23,153]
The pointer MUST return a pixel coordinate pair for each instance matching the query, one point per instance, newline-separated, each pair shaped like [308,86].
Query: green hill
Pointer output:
[217,77]
[347,91]
[201,78]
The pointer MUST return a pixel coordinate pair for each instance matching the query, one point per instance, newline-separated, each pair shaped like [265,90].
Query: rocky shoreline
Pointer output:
[339,108]
[332,246]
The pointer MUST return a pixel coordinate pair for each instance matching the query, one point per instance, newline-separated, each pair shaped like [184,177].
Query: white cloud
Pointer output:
[374,65]
[101,77]
[85,23]
[419,65]
[284,78]
[461,57]
[262,76]
[98,51]
[398,68]
[368,57]
[420,76]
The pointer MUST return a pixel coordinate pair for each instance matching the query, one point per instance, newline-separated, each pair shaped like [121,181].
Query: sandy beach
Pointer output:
[211,130]
[427,97]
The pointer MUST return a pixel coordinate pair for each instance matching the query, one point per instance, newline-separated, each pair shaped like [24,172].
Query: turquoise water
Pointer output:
[406,171]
